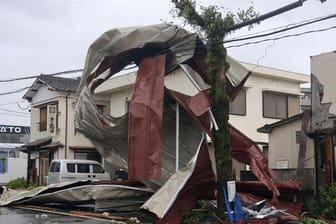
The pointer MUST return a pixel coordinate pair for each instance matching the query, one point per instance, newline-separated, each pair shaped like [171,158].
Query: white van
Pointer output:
[72,170]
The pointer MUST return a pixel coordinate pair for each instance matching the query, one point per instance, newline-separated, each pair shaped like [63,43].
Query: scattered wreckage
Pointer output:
[142,141]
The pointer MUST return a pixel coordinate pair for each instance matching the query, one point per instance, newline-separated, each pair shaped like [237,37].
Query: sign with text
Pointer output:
[11,129]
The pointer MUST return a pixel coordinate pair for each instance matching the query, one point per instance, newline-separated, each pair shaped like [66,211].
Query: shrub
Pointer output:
[324,204]
[18,183]
[328,202]
[312,221]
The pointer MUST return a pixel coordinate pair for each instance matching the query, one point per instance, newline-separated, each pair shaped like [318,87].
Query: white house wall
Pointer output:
[44,95]
[177,81]
[284,149]
[254,119]
[17,167]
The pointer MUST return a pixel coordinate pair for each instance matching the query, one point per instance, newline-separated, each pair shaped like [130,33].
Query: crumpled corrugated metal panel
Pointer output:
[244,149]
[111,52]
[145,120]
[120,47]
[290,199]
[181,192]
[112,141]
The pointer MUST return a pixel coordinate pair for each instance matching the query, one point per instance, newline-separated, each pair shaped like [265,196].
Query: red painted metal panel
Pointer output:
[145,120]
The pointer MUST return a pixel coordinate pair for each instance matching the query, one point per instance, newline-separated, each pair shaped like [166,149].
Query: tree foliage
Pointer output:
[212,23]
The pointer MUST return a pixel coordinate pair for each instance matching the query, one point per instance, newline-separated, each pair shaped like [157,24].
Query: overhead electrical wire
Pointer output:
[36,76]
[242,38]
[15,91]
[283,37]
[288,27]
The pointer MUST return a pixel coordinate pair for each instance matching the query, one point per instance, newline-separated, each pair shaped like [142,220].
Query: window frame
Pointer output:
[83,167]
[276,116]
[245,104]
[43,120]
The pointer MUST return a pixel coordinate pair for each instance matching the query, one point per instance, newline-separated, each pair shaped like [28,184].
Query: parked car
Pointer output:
[72,170]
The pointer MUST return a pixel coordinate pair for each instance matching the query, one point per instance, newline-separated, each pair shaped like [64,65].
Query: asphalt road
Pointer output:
[23,216]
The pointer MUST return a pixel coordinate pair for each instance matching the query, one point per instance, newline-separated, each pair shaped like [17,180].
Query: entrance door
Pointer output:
[44,168]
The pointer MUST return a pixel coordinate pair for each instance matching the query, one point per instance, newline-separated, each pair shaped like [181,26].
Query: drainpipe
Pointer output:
[66,126]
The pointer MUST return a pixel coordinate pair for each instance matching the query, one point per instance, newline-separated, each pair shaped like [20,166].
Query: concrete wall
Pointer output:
[17,167]
[307,181]
[323,66]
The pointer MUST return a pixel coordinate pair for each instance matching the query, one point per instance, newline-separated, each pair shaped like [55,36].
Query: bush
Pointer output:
[18,183]
[324,204]
[312,221]
[328,202]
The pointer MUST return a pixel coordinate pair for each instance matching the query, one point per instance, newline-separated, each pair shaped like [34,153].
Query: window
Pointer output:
[275,105]
[298,136]
[3,165]
[100,108]
[43,118]
[88,155]
[83,168]
[97,168]
[71,167]
[55,167]
[238,105]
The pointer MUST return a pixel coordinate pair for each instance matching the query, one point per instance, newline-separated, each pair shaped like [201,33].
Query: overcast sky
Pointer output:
[39,36]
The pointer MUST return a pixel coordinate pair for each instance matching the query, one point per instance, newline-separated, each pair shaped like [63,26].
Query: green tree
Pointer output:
[213,23]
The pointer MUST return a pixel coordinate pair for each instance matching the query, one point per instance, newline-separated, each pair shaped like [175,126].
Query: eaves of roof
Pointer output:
[267,128]
[59,84]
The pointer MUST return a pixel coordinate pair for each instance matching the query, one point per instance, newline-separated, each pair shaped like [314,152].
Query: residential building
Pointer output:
[284,150]
[269,95]
[53,135]
[285,135]
[13,163]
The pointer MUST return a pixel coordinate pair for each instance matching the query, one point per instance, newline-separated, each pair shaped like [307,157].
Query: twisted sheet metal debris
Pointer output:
[118,48]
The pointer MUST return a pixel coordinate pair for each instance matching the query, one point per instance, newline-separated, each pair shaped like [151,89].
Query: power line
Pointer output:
[283,37]
[55,74]
[36,76]
[301,24]
[14,91]
[265,16]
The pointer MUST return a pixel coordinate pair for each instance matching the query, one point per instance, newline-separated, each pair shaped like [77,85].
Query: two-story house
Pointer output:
[53,135]
[268,95]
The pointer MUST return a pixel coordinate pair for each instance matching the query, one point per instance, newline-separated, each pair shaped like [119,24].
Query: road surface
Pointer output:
[23,216]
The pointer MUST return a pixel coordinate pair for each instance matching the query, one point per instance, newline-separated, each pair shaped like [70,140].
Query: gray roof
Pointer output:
[60,83]
[54,83]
